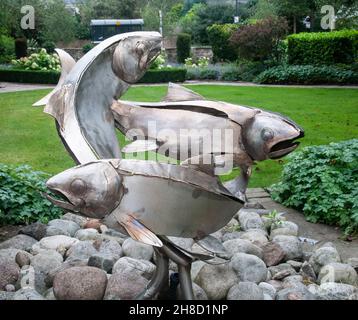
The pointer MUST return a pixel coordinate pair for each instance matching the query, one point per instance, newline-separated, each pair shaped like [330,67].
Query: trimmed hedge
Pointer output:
[52,77]
[323,48]
[308,75]
[29,76]
[164,75]
[183,47]
[219,38]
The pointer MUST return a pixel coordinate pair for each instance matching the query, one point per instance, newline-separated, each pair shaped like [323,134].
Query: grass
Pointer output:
[27,135]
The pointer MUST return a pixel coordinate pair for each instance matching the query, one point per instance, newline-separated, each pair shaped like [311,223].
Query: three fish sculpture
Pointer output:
[148,200]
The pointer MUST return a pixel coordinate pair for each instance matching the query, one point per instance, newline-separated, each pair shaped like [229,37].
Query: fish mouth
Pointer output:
[284,147]
[63,202]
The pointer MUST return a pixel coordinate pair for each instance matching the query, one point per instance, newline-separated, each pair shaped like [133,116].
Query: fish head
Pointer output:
[134,55]
[270,136]
[94,189]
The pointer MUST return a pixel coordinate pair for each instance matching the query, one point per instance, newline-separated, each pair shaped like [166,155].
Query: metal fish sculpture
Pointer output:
[255,134]
[81,103]
[192,204]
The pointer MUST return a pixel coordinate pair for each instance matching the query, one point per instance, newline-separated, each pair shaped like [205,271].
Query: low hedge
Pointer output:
[51,77]
[29,76]
[323,48]
[309,75]
[164,75]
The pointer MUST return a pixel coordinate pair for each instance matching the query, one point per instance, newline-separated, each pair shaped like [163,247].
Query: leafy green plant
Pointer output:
[39,61]
[321,181]
[323,48]
[159,62]
[7,49]
[20,196]
[88,47]
[308,75]
[275,218]
[201,62]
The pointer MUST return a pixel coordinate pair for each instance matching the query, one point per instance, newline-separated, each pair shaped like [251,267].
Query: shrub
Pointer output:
[202,62]
[28,76]
[39,61]
[219,38]
[308,75]
[323,48]
[260,41]
[164,75]
[322,182]
[183,47]
[20,48]
[20,196]
[7,49]
[49,46]
[209,74]
[88,47]
[159,62]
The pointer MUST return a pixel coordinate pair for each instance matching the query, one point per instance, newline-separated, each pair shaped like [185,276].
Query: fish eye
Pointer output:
[267,134]
[78,187]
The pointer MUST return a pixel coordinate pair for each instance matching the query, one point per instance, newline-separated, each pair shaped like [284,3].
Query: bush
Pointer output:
[49,46]
[7,49]
[322,182]
[20,196]
[164,75]
[308,75]
[209,74]
[260,41]
[219,38]
[183,47]
[323,48]
[159,62]
[28,76]
[88,47]
[39,61]
[20,48]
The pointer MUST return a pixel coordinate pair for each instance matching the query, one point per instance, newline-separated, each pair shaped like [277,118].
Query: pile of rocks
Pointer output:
[74,258]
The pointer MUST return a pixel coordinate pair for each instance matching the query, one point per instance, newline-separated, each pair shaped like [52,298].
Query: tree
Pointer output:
[293,10]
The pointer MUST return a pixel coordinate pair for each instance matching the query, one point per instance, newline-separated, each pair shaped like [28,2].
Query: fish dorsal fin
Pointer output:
[177,92]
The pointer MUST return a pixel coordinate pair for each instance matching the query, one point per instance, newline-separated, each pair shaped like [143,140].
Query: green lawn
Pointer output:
[27,135]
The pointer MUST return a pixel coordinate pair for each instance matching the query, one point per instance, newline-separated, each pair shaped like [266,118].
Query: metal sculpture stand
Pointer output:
[159,282]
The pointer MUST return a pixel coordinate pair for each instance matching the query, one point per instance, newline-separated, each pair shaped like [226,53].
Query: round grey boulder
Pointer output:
[241,245]
[268,289]
[256,236]
[249,267]
[9,272]
[323,256]
[290,245]
[87,234]
[216,280]
[36,230]
[80,283]
[336,291]
[21,242]
[250,220]
[137,250]
[245,291]
[143,268]
[58,243]
[81,221]
[338,272]
[64,227]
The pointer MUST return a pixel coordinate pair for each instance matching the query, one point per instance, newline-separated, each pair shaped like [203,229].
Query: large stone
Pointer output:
[21,242]
[43,264]
[27,294]
[80,220]
[216,280]
[9,272]
[111,249]
[102,261]
[111,234]
[286,228]
[80,283]
[323,256]
[245,291]
[137,250]
[199,293]
[241,245]
[87,234]
[290,245]
[12,253]
[272,254]
[36,230]
[338,272]
[143,268]
[125,286]
[268,289]
[336,291]
[281,271]
[249,267]
[296,293]
[307,272]
[250,220]
[256,236]
[82,250]
[62,227]
[23,258]
[58,243]
[231,236]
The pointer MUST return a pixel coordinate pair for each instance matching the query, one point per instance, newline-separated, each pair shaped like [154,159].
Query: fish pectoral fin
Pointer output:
[238,186]
[138,231]
[141,146]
